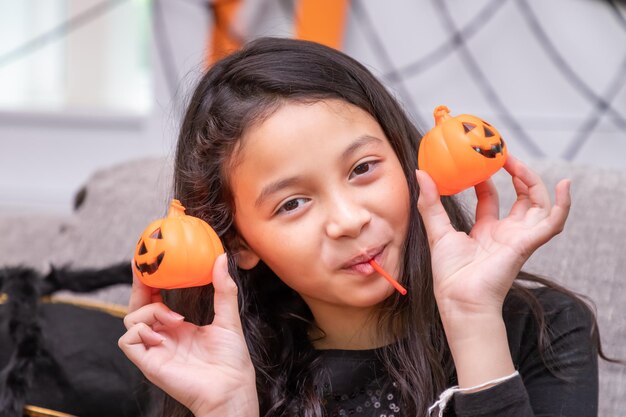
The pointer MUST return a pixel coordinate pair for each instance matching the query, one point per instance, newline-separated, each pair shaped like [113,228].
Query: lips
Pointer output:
[363,258]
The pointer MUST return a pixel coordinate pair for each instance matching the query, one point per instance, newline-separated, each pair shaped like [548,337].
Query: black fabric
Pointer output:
[359,385]
[83,280]
[566,386]
[63,357]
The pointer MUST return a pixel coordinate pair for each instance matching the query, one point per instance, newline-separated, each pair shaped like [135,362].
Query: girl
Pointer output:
[306,167]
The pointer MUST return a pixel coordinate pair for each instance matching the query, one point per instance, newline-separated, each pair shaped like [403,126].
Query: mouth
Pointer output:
[491,152]
[150,268]
[360,263]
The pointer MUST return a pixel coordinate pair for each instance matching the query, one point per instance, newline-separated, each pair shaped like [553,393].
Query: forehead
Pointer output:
[300,130]
[300,139]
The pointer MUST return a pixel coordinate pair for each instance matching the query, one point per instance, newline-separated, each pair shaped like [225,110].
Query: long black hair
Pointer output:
[237,92]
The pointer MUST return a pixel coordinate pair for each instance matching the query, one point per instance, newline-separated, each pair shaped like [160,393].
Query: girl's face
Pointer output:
[319,192]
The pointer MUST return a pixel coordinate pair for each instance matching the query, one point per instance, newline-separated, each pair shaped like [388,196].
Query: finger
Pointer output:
[537,191]
[137,340]
[141,294]
[153,314]
[522,203]
[562,204]
[554,223]
[488,205]
[225,298]
[436,220]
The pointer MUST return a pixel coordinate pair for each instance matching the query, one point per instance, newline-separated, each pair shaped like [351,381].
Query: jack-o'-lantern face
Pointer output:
[460,152]
[482,143]
[150,253]
[177,252]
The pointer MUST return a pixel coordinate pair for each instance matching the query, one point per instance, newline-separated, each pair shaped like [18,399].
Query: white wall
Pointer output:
[44,158]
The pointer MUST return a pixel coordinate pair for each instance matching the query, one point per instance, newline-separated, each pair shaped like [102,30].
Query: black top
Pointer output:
[359,385]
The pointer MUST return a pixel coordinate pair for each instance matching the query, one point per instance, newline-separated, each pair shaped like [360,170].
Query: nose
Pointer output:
[346,217]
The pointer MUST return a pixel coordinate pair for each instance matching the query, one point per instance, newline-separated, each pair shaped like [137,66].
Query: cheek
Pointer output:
[295,264]
[288,251]
[394,199]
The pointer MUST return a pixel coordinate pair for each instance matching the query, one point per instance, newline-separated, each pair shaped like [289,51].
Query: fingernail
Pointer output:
[152,338]
[176,316]
[159,336]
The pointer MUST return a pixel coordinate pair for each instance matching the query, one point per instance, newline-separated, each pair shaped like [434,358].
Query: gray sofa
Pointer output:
[118,202]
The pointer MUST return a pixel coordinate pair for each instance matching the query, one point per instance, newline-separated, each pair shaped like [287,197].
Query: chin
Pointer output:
[370,297]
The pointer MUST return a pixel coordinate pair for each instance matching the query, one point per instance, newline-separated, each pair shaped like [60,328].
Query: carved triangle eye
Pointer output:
[468,126]
[488,132]
[142,249]
[157,234]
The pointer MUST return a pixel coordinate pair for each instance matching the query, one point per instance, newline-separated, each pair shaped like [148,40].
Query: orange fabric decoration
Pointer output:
[460,152]
[222,42]
[177,252]
[321,21]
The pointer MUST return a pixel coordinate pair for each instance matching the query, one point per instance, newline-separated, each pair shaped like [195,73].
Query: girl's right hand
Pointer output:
[206,368]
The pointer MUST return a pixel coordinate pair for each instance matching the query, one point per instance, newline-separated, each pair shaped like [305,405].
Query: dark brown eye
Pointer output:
[361,168]
[291,205]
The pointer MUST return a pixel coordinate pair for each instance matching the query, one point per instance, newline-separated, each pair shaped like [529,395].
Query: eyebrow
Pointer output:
[274,187]
[287,182]
[359,143]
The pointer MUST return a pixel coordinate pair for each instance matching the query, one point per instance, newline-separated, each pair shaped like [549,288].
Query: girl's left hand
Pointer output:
[473,273]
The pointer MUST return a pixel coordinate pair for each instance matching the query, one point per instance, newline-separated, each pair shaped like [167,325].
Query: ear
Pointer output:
[246,257]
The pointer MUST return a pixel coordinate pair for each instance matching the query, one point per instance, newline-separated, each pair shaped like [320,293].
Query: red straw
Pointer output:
[388,277]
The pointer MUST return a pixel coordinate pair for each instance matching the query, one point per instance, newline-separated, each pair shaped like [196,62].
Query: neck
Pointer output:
[347,329]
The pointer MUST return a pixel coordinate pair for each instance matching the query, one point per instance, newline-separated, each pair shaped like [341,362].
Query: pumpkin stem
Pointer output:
[176,209]
[441,113]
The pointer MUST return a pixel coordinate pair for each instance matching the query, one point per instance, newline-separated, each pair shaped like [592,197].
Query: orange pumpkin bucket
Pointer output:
[177,252]
[460,152]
